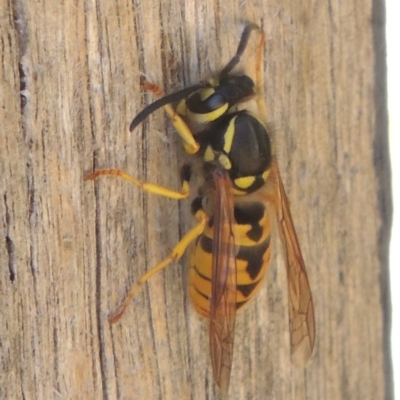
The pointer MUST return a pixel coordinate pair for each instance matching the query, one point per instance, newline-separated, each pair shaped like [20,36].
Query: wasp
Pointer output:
[242,184]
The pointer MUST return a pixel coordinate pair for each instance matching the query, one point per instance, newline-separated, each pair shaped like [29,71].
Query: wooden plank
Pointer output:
[72,248]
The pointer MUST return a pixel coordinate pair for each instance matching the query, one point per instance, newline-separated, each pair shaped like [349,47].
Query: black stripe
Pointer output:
[240,304]
[201,275]
[252,254]
[201,294]
[246,290]
[254,257]
[206,312]
[251,214]
[206,244]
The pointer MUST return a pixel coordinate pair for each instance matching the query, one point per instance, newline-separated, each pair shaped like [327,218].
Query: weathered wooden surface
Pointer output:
[72,248]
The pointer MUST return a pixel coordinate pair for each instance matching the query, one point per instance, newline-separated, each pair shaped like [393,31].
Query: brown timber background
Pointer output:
[70,85]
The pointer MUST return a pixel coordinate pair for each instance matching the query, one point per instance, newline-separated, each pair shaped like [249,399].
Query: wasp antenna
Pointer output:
[240,50]
[170,98]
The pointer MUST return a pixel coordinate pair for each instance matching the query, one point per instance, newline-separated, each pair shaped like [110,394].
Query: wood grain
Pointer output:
[70,85]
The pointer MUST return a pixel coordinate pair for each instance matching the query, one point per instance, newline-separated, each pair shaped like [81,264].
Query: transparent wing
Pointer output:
[301,307]
[223,297]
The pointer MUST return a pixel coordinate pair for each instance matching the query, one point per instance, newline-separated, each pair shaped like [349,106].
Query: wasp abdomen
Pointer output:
[252,238]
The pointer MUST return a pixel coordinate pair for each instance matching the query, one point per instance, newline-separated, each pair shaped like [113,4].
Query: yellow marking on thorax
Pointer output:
[245,182]
[228,136]
[206,93]
[209,154]
[224,162]
[265,175]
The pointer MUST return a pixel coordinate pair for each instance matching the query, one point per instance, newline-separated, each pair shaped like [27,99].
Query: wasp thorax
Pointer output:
[239,143]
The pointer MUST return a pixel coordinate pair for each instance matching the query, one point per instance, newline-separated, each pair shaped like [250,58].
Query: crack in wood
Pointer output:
[9,243]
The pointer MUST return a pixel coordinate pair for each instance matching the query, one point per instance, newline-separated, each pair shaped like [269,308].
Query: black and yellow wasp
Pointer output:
[231,251]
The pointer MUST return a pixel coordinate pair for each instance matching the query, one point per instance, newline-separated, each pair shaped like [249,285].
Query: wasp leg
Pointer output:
[189,142]
[149,187]
[259,75]
[175,254]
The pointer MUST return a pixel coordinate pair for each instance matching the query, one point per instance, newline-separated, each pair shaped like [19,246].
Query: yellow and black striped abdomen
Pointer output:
[252,232]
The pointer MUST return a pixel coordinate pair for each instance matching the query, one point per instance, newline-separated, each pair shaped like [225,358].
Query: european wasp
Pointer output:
[242,183]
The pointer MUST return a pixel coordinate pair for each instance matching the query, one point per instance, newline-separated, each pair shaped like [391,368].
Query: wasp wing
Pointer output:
[223,295]
[301,307]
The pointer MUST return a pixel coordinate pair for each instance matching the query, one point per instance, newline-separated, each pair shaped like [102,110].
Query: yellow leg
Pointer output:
[175,254]
[260,76]
[189,142]
[147,187]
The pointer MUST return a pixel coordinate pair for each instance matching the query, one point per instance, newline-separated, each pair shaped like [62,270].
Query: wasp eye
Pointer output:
[215,101]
